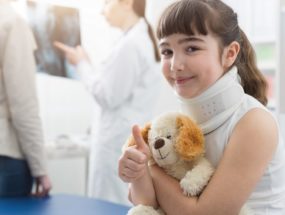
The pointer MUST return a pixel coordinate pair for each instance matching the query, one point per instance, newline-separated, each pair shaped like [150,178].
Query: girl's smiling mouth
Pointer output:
[183,80]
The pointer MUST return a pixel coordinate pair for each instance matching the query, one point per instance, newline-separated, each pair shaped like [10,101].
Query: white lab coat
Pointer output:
[126,86]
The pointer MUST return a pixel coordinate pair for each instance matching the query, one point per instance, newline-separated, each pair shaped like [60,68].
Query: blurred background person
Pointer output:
[21,139]
[125,85]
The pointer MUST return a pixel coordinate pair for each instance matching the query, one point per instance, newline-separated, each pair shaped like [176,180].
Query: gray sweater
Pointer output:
[20,126]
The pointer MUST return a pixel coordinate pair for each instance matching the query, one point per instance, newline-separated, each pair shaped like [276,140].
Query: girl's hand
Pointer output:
[133,162]
[43,186]
[73,55]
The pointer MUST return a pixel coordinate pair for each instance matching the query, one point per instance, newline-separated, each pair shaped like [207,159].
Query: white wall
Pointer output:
[66,106]
[257,18]
[281,62]
[155,8]
[281,119]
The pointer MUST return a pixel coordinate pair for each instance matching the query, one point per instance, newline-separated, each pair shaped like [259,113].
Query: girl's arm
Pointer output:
[133,168]
[142,191]
[250,149]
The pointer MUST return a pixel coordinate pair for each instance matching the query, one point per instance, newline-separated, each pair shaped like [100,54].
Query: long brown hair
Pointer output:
[213,16]
[139,8]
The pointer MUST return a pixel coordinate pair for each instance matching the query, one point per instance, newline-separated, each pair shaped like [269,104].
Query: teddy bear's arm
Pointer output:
[196,179]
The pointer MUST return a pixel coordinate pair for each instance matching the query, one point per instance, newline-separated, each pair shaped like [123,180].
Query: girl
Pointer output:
[125,87]
[210,64]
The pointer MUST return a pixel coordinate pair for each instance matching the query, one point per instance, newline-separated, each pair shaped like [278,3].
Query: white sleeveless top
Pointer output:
[268,197]
[230,105]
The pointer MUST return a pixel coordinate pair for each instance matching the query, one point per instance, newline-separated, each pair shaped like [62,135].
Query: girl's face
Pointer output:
[114,12]
[190,64]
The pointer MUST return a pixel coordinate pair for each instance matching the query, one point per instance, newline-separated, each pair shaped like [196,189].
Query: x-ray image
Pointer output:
[53,23]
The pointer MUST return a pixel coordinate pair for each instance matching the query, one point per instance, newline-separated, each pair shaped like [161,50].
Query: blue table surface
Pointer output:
[60,204]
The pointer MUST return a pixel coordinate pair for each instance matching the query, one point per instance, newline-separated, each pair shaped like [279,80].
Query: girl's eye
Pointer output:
[166,52]
[168,136]
[192,49]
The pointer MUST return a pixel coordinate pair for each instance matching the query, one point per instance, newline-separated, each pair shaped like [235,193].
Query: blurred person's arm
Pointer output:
[74,55]
[114,80]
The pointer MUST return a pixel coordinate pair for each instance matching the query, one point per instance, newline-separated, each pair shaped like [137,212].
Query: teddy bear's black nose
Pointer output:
[159,143]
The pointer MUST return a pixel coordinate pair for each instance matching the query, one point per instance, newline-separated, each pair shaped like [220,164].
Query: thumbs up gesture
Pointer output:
[140,143]
[133,162]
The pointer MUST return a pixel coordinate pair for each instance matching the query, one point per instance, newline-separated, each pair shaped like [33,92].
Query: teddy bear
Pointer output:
[177,145]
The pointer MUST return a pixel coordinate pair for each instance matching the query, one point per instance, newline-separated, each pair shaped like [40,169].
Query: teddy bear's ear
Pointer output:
[190,141]
[144,131]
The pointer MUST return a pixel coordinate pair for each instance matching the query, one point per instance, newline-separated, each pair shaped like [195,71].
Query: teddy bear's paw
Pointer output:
[144,210]
[196,179]
[188,188]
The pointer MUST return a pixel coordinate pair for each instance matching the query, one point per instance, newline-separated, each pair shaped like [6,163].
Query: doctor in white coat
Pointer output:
[125,85]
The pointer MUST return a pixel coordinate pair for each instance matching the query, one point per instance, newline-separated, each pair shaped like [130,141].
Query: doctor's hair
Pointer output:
[139,7]
[194,17]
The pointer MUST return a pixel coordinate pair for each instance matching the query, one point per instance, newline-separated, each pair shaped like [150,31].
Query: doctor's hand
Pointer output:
[133,162]
[73,55]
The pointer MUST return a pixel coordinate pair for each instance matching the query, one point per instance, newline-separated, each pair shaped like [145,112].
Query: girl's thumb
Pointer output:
[138,138]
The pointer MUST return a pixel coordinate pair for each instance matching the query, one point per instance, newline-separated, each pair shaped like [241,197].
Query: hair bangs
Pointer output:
[175,19]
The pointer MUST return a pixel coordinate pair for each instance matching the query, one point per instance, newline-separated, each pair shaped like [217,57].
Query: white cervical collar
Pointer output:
[214,106]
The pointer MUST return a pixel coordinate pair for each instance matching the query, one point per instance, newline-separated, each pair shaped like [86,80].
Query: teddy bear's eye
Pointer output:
[168,136]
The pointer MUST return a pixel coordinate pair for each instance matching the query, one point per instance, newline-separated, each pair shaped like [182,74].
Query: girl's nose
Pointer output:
[177,64]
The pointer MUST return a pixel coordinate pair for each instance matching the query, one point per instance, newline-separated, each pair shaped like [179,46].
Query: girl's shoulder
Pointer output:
[257,125]
[252,117]
[254,110]
[247,105]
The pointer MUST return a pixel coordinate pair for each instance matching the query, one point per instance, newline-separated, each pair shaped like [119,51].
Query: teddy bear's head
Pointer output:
[173,136]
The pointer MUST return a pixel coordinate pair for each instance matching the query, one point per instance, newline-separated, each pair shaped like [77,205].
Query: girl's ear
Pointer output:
[230,54]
